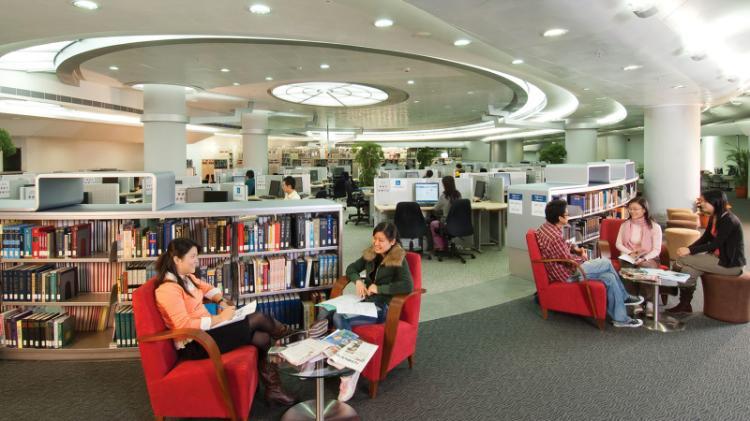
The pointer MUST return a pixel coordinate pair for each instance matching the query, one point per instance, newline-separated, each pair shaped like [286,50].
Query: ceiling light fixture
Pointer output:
[235,84]
[325,66]
[632,67]
[586,89]
[259,9]
[554,32]
[517,61]
[678,86]
[410,82]
[224,70]
[330,94]
[383,23]
[269,78]
[114,68]
[86,4]
[643,8]
[461,42]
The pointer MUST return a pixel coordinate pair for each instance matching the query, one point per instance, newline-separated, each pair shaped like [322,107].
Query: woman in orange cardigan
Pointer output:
[179,298]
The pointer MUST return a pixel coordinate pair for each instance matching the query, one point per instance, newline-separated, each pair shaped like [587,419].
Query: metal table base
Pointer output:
[660,321]
[319,409]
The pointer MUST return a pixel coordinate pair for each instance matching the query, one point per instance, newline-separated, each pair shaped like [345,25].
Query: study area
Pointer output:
[348,210]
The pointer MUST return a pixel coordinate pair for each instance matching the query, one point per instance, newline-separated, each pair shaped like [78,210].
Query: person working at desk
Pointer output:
[288,186]
[459,169]
[440,212]
[553,246]
[250,182]
[428,174]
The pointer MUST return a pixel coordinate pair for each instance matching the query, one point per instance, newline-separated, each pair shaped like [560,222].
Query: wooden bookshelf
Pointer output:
[85,346]
[286,291]
[84,299]
[98,258]
[287,251]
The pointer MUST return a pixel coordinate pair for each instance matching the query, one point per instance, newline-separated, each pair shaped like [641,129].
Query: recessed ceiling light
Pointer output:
[410,82]
[470,93]
[86,4]
[555,32]
[517,61]
[259,9]
[235,84]
[325,66]
[115,68]
[416,101]
[269,78]
[225,70]
[586,89]
[632,67]
[461,42]
[383,23]
[678,86]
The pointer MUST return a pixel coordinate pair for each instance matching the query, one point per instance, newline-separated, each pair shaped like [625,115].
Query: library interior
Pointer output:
[381,210]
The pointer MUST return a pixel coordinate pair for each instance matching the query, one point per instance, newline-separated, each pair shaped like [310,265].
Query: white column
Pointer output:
[708,153]
[498,153]
[255,141]
[616,146]
[514,150]
[580,145]
[164,119]
[671,153]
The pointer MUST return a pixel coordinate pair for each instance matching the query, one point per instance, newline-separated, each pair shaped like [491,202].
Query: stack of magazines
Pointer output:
[342,348]
[648,274]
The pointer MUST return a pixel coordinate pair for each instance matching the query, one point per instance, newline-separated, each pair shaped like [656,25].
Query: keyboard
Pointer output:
[425,205]
[267,197]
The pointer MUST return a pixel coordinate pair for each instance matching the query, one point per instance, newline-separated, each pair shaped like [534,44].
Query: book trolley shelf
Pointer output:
[119,242]
[593,191]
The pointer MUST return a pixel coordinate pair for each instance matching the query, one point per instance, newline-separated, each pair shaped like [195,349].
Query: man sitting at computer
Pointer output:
[288,186]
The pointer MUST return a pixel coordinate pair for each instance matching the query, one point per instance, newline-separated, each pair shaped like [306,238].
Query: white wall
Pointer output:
[601,148]
[714,150]
[634,148]
[476,150]
[531,156]
[209,148]
[57,154]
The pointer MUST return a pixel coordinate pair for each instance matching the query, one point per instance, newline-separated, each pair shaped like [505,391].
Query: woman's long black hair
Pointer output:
[449,188]
[717,199]
[178,247]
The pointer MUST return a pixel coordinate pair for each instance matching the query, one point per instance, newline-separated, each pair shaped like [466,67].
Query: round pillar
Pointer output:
[671,152]
[255,141]
[580,144]
[498,153]
[164,119]
[616,146]
[514,150]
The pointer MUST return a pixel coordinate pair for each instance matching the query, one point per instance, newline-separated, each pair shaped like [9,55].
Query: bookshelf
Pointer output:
[100,272]
[593,191]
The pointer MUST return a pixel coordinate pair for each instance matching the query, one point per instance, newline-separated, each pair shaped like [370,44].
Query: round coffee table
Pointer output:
[660,322]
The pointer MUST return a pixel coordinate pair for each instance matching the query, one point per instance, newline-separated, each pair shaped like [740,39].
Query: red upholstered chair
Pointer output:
[608,231]
[221,386]
[586,298]
[397,337]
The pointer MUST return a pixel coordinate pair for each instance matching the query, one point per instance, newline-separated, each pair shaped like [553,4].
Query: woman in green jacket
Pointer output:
[386,273]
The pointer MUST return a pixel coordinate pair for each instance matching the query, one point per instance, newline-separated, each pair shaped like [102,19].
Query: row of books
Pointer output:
[124,333]
[45,241]
[596,201]
[133,241]
[39,282]
[30,329]
[582,229]
[279,273]
[272,233]
[135,275]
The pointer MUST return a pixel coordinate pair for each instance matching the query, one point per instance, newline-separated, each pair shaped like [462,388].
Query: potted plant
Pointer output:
[739,159]
[425,156]
[369,156]
[553,153]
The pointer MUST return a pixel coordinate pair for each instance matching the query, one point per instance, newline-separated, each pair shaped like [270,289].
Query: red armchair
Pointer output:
[397,337]
[608,231]
[586,298]
[221,386]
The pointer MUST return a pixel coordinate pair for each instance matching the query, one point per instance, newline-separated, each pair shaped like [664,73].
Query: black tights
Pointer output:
[256,332]
[262,325]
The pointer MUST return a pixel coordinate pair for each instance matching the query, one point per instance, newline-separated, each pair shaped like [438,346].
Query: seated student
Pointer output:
[721,248]
[288,185]
[440,211]
[386,274]
[179,299]
[459,169]
[428,174]
[250,182]
[553,246]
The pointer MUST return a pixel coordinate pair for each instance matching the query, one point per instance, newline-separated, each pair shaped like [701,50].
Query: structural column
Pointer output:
[164,119]
[580,144]
[616,146]
[514,150]
[671,153]
[255,141]
[498,153]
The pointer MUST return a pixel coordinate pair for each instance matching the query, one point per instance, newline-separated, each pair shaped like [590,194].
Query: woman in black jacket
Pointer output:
[720,249]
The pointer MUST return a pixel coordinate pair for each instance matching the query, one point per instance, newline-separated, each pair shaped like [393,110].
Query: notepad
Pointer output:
[239,314]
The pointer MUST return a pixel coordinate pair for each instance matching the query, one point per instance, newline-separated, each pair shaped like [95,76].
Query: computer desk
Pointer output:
[480,217]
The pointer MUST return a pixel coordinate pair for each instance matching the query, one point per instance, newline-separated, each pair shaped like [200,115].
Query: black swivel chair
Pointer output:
[356,199]
[457,225]
[411,224]
[339,188]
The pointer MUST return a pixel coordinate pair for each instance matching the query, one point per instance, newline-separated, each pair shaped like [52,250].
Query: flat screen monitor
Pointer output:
[274,188]
[479,188]
[337,171]
[298,184]
[313,176]
[426,192]
[505,176]
[215,196]
[412,174]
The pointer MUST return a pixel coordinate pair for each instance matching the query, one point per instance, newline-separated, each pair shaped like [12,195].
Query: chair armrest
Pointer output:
[583,275]
[391,326]
[604,250]
[208,343]
[338,286]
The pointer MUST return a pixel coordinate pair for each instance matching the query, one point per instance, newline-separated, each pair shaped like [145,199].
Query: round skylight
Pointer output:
[330,94]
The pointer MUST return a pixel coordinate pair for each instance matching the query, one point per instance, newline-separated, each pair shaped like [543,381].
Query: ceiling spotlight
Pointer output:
[383,23]
[235,84]
[86,4]
[114,68]
[586,89]
[678,86]
[416,101]
[259,9]
[643,8]
[517,61]
[461,42]
[325,66]
[555,32]
[410,82]
[224,70]
[269,78]
[632,67]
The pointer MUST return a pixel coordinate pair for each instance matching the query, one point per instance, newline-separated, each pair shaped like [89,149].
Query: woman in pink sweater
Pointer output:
[179,298]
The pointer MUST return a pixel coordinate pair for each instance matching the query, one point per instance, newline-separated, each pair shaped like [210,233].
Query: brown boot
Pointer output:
[269,375]
[280,330]
[686,296]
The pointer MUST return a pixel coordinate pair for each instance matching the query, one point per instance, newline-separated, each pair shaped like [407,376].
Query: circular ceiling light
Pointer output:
[325,66]
[86,4]
[517,61]
[555,32]
[461,42]
[383,23]
[259,9]
[410,82]
[330,94]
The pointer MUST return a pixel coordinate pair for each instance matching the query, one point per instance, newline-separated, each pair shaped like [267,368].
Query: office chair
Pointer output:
[457,225]
[357,199]
[321,194]
[339,188]
[411,224]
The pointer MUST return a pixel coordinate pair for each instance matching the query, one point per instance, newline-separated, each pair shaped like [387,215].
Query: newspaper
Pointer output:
[239,314]
[304,351]
[355,355]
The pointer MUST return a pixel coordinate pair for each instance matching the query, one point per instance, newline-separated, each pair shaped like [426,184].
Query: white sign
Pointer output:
[382,185]
[260,183]
[398,184]
[538,203]
[148,186]
[515,203]
[4,189]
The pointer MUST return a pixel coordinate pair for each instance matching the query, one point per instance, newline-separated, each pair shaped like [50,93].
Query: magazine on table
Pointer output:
[350,304]
[339,339]
[239,314]
[638,274]
[650,274]
[308,350]
[355,355]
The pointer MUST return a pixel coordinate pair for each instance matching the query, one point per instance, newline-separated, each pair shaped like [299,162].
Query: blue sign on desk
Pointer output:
[515,203]
[539,198]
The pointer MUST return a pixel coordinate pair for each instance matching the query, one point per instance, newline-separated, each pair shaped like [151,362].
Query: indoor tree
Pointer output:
[425,156]
[553,153]
[6,146]
[738,158]
[369,156]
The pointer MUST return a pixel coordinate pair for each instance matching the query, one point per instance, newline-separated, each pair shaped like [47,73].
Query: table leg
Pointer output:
[476,220]
[662,322]
[319,409]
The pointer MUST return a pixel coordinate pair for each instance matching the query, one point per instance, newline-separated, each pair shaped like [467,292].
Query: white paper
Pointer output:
[627,258]
[351,304]
[354,355]
[515,203]
[240,314]
[303,351]
[538,203]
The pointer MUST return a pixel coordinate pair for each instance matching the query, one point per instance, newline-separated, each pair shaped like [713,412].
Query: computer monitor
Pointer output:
[505,176]
[412,174]
[215,196]
[479,188]
[337,171]
[426,193]
[274,188]
[298,184]
[313,176]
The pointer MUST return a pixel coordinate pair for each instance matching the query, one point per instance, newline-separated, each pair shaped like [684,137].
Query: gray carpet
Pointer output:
[503,362]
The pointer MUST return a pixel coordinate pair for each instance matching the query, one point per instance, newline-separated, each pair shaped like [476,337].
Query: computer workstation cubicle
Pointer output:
[269,186]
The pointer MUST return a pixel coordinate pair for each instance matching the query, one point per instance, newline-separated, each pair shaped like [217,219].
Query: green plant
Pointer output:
[553,153]
[6,145]
[640,170]
[368,156]
[425,156]
[739,159]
